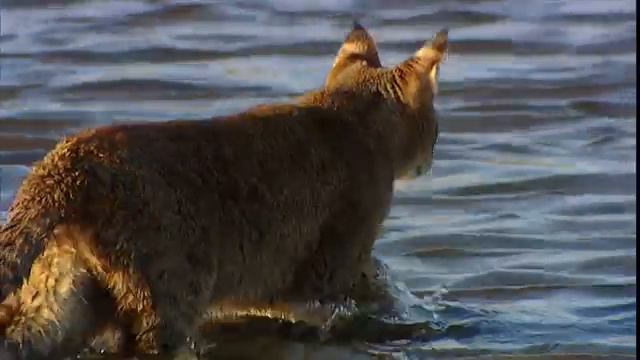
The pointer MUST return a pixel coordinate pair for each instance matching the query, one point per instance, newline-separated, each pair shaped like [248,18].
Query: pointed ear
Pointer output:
[436,48]
[358,46]
[431,54]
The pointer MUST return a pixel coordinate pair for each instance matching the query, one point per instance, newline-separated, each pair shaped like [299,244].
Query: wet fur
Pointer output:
[146,225]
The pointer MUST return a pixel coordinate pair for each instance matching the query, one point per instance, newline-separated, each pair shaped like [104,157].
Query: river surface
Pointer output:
[521,241]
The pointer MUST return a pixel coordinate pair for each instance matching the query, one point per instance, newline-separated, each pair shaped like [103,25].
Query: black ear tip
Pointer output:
[441,35]
[441,39]
[357,25]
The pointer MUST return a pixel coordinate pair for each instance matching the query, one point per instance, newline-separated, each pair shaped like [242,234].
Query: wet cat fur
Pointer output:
[147,225]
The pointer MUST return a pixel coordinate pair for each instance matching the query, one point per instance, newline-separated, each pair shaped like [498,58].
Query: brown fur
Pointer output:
[149,224]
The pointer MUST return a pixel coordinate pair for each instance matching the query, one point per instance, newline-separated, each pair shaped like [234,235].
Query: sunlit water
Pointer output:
[523,238]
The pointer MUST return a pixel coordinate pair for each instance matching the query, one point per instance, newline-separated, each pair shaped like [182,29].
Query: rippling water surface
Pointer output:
[523,238]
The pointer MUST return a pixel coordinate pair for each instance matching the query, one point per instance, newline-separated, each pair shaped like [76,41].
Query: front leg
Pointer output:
[341,266]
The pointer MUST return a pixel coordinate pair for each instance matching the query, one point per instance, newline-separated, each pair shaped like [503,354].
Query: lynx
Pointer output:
[147,225]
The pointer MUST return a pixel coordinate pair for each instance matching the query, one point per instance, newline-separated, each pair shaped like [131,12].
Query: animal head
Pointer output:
[409,87]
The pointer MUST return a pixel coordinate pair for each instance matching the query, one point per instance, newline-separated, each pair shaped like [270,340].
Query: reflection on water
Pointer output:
[521,241]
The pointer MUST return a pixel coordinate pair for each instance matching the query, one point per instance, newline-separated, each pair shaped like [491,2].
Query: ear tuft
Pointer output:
[358,48]
[440,41]
[359,42]
[436,48]
[357,26]
[428,57]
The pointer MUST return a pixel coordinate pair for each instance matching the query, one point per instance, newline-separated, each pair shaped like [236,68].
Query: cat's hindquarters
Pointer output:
[59,306]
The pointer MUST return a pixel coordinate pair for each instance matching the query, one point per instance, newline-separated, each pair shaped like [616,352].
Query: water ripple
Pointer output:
[522,239]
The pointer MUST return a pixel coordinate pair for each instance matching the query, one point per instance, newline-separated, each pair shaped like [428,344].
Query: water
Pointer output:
[521,241]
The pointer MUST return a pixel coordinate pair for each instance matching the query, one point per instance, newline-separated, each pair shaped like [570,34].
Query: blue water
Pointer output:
[522,240]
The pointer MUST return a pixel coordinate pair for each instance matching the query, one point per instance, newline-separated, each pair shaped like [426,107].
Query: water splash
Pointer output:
[436,301]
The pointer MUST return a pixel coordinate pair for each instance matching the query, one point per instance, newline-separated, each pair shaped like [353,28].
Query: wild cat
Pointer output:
[147,225]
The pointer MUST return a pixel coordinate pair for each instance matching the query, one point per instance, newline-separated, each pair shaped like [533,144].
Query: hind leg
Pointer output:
[57,309]
[155,313]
